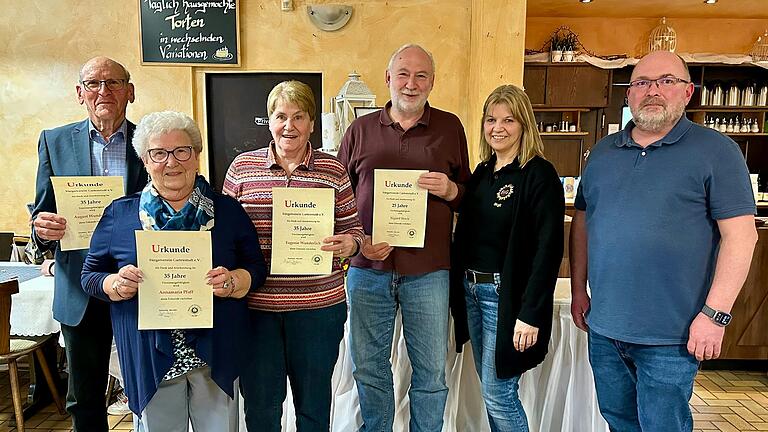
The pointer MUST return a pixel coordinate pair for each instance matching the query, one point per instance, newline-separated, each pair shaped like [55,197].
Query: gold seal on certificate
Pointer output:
[301,219]
[399,208]
[174,294]
[82,200]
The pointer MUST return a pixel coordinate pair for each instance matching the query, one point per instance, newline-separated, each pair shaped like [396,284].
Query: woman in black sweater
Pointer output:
[506,254]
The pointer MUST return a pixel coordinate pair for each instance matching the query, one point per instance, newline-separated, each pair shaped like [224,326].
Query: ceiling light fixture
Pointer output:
[710,1]
[586,1]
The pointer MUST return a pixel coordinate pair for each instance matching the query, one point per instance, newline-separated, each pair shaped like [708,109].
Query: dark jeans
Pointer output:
[88,346]
[299,345]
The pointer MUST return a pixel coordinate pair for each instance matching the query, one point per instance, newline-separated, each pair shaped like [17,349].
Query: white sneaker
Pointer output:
[120,407]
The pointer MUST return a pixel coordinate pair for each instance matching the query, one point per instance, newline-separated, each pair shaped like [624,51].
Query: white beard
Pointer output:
[658,121]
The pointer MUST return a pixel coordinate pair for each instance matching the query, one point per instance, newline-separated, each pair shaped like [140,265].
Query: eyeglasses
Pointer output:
[662,83]
[181,154]
[112,84]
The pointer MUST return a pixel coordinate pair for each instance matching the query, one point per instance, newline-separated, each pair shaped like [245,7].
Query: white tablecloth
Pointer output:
[31,308]
[558,395]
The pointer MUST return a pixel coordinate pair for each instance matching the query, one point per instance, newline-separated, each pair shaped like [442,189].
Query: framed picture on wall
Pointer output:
[361,111]
[236,114]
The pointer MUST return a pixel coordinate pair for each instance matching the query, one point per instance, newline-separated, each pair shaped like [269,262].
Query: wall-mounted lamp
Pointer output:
[286,5]
[585,1]
[329,17]
[710,1]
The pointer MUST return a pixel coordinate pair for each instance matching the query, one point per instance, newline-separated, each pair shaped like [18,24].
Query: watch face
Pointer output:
[722,318]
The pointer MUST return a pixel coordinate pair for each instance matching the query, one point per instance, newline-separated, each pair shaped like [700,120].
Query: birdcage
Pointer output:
[662,38]
[354,93]
[759,51]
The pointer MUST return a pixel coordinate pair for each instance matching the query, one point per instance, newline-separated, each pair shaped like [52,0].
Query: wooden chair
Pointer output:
[12,348]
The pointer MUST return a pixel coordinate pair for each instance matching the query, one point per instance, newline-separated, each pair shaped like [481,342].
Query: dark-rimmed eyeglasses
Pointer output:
[663,82]
[159,155]
[111,84]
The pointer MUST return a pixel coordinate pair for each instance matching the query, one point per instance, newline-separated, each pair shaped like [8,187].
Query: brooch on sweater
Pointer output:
[504,193]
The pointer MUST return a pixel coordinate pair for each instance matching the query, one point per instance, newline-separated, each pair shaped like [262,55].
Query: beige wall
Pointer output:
[629,36]
[46,41]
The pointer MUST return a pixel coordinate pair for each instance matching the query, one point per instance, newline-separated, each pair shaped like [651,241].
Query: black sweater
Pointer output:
[531,263]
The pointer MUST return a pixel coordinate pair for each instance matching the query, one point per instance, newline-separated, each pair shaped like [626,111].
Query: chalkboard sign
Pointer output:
[190,32]
[236,114]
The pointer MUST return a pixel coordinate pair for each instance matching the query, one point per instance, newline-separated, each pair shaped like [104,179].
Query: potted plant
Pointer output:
[556,47]
[568,45]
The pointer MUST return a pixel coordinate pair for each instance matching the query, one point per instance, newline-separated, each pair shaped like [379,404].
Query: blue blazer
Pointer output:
[66,151]
[147,355]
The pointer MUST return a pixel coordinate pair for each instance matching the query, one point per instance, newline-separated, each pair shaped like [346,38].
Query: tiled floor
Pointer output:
[722,401]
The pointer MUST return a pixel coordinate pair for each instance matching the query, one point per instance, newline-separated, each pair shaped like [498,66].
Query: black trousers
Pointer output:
[88,347]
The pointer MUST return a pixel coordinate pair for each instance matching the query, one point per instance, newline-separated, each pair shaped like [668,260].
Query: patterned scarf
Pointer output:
[196,215]
[156,214]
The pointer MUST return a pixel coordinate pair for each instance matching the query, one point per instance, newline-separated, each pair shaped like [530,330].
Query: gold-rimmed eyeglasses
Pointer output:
[111,84]
[159,155]
[663,82]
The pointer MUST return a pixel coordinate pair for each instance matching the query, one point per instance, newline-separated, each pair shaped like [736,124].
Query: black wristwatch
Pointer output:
[718,317]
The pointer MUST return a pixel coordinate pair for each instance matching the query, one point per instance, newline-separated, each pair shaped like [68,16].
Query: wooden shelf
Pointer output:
[722,108]
[567,133]
[747,134]
[552,109]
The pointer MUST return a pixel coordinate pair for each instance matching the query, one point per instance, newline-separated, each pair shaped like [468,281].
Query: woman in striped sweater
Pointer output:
[297,321]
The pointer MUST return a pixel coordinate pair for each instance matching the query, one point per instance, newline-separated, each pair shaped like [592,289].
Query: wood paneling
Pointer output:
[577,86]
[534,83]
[565,154]
[746,337]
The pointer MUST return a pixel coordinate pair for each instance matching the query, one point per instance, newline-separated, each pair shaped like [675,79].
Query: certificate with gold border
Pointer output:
[82,200]
[174,294]
[301,219]
[399,208]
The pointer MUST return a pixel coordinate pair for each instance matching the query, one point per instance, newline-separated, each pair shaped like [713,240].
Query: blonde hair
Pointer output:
[519,105]
[295,92]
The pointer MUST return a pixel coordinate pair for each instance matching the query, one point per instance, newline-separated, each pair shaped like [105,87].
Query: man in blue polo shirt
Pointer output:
[664,231]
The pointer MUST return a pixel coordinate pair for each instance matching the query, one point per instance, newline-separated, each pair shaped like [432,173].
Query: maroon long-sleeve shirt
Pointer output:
[436,143]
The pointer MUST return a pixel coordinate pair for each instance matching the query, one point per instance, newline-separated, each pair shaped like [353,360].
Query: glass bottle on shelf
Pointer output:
[723,127]
[755,127]
[729,126]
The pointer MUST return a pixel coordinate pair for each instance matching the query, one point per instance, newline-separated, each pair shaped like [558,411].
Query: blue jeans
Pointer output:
[502,402]
[374,297]
[301,345]
[643,388]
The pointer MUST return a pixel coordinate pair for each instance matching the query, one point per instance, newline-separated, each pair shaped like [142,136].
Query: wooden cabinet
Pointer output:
[746,337]
[567,85]
[577,86]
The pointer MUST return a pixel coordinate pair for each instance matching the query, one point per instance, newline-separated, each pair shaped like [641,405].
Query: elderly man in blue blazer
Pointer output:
[98,146]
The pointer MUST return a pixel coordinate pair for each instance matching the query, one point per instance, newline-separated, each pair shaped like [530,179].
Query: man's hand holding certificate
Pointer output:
[81,202]
[399,208]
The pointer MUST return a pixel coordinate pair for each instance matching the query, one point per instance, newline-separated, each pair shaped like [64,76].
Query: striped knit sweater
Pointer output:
[250,180]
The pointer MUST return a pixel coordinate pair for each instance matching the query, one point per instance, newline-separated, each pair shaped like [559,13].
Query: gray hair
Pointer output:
[159,123]
[125,71]
[405,47]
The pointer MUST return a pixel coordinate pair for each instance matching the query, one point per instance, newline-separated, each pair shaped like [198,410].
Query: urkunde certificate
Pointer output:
[301,219]
[174,294]
[82,200]
[399,208]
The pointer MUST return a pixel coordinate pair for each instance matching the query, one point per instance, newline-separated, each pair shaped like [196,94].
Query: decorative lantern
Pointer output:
[759,51]
[354,93]
[663,38]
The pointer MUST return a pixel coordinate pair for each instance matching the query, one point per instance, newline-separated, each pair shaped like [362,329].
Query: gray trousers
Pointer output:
[191,398]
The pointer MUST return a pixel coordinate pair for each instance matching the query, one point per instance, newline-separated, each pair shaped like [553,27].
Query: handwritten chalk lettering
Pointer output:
[188,39]
[169,52]
[158,6]
[201,6]
[187,22]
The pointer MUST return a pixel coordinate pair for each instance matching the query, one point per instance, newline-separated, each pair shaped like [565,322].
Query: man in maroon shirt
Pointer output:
[407,134]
